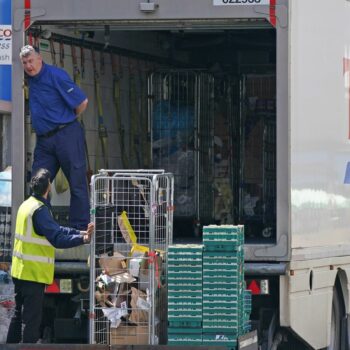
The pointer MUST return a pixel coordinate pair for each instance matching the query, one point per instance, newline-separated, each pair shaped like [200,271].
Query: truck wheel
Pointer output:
[336,321]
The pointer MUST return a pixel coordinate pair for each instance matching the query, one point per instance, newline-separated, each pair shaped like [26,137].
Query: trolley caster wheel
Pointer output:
[47,336]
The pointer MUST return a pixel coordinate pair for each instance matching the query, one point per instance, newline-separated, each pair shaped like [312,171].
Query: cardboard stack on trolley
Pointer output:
[133,214]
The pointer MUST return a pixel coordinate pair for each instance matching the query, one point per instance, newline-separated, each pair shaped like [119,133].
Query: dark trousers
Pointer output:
[29,304]
[65,149]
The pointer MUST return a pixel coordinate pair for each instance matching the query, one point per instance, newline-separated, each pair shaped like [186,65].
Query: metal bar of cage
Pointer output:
[258,96]
[181,115]
[132,171]
[147,196]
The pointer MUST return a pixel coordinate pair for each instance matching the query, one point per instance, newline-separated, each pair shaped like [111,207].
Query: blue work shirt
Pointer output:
[53,97]
[45,225]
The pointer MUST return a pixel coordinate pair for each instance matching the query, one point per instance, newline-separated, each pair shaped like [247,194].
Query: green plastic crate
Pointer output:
[185,330]
[185,279]
[208,304]
[185,323]
[220,339]
[221,317]
[185,267]
[179,258]
[221,229]
[228,288]
[231,280]
[217,297]
[172,305]
[173,319]
[185,247]
[227,263]
[178,286]
[180,298]
[223,273]
[224,255]
[221,326]
[185,339]
[184,313]
[194,275]
[220,247]
[185,293]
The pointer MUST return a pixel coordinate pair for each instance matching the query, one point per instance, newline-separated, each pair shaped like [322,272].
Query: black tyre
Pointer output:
[337,312]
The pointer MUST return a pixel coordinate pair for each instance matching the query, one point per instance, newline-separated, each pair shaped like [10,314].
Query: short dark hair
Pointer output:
[40,181]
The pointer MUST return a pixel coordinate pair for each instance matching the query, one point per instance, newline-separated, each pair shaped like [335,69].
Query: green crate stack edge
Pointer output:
[226,302]
[185,276]
[226,305]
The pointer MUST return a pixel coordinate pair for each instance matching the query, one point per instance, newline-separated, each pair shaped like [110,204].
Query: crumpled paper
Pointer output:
[115,314]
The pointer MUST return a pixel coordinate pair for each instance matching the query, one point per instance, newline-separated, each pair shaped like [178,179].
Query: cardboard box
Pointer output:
[129,335]
[113,265]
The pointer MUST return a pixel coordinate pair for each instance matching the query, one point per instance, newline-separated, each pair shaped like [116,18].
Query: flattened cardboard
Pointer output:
[113,265]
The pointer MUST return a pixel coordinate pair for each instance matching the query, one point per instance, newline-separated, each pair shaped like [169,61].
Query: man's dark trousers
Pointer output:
[65,149]
[30,296]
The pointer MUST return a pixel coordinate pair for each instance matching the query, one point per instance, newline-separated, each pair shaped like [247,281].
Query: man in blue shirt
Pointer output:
[30,269]
[55,103]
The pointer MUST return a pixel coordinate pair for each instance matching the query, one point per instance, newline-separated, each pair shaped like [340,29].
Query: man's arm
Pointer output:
[81,108]
[60,237]
[71,93]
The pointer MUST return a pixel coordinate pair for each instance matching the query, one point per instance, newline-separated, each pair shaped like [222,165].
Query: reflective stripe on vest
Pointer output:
[43,259]
[30,239]
[33,255]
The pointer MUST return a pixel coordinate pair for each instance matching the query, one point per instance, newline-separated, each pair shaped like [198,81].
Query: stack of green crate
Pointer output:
[185,294]
[224,317]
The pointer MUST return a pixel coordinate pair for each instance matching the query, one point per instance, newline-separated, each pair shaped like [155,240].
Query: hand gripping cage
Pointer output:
[133,215]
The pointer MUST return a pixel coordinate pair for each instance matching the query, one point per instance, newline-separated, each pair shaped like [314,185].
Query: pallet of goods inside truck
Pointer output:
[207,300]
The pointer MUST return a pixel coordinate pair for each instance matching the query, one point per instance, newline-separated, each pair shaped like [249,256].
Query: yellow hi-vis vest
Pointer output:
[33,257]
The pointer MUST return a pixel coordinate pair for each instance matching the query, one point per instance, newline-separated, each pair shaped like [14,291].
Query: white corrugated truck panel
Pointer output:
[319,124]
[319,153]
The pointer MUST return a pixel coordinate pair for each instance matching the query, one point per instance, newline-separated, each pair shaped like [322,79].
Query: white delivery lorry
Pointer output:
[246,102]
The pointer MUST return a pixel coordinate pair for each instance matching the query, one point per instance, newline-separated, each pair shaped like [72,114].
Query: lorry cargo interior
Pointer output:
[199,103]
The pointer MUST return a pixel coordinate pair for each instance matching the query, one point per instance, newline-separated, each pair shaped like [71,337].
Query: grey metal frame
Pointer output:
[175,15]
[268,134]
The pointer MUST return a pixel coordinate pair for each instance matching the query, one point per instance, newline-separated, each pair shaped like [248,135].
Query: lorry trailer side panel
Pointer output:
[319,148]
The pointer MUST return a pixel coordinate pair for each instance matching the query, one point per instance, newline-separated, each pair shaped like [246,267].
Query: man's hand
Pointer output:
[90,228]
[81,108]
[88,233]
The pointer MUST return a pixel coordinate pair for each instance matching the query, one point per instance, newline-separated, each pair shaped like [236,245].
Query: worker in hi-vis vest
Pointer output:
[36,237]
